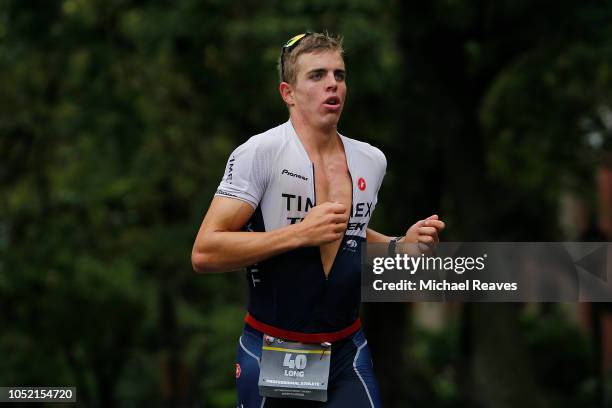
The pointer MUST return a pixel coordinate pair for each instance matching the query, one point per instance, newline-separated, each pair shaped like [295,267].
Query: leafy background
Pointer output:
[117,117]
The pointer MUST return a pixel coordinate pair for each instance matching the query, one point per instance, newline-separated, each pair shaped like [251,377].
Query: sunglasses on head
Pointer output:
[290,45]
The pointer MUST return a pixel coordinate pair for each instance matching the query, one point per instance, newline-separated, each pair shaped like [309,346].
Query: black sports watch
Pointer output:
[392,245]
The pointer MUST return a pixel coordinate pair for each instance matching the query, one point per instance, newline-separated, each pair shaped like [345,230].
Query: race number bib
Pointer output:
[294,370]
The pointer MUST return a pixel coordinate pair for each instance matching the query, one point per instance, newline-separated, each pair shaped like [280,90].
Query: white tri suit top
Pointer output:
[290,292]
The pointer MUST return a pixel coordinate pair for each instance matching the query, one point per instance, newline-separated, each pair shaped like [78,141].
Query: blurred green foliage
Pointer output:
[117,117]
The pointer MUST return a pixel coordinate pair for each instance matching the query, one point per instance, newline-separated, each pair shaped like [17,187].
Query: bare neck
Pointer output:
[316,141]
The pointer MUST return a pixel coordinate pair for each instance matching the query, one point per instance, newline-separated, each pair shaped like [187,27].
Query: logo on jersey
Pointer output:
[226,193]
[361,184]
[238,370]
[361,210]
[351,245]
[287,172]
[230,169]
[294,202]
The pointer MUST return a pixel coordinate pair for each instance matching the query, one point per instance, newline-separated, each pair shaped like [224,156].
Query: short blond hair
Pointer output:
[312,42]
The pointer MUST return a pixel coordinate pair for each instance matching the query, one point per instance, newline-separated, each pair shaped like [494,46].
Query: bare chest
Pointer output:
[333,182]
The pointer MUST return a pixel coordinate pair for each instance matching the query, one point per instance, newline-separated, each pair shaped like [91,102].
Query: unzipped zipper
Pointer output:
[314,187]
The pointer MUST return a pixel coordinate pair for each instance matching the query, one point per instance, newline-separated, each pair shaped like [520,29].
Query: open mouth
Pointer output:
[333,101]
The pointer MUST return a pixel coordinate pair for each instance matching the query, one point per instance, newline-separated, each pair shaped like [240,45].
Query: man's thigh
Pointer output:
[353,382]
[247,370]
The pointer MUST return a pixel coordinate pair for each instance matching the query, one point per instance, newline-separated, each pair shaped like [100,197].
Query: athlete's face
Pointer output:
[320,88]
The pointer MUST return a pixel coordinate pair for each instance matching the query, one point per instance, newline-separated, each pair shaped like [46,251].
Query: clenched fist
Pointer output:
[425,233]
[324,223]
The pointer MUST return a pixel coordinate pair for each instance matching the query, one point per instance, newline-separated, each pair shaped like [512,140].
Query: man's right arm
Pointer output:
[221,246]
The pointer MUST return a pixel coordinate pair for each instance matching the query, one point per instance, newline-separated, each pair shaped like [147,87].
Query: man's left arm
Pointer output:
[375,237]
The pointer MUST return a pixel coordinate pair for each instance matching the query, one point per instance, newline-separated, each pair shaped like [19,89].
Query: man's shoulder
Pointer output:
[367,150]
[270,140]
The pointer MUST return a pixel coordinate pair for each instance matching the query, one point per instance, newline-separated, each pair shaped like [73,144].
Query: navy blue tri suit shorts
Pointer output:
[351,377]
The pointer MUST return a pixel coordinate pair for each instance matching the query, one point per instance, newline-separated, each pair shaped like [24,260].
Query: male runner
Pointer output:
[293,207]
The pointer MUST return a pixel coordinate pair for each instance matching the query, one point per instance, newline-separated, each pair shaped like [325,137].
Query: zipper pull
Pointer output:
[325,346]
